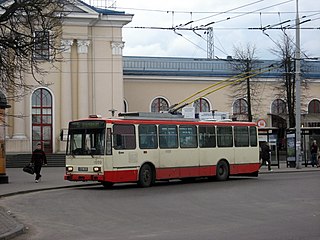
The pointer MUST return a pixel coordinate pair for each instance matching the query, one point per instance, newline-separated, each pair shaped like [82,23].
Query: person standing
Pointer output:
[38,159]
[265,155]
[314,153]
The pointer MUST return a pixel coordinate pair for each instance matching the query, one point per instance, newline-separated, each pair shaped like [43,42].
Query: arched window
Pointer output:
[42,119]
[278,107]
[201,105]
[314,106]
[240,107]
[159,105]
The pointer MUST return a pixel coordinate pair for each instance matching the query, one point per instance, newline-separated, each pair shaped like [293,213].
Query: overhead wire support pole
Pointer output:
[298,90]
[210,43]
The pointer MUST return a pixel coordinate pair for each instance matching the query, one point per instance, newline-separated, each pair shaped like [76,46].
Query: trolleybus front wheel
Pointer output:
[145,176]
[222,173]
[107,184]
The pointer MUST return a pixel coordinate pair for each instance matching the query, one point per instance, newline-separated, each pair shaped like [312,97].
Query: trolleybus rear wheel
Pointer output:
[145,176]
[222,173]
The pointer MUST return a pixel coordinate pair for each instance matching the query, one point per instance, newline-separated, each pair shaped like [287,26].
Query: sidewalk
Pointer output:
[21,182]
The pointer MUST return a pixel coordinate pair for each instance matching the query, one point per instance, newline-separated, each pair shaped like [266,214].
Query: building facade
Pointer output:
[87,80]
[94,78]
[154,84]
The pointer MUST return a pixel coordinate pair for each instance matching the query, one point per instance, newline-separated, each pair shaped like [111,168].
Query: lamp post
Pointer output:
[298,90]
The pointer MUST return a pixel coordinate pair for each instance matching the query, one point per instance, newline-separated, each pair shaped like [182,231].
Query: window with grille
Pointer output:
[240,106]
[201,105]
[42,45]
[42,119]
[159,105]
[278,107]
[314,106]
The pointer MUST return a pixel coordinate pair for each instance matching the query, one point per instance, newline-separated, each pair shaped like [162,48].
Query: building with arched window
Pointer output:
[87,80]
[94,78]
[175,79]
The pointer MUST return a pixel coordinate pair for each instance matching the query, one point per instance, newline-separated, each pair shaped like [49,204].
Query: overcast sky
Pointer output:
[230,22]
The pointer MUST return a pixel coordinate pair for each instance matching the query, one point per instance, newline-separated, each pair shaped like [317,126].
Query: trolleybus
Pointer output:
[147,147]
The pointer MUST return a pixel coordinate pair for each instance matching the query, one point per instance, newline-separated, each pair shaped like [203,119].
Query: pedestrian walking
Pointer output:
[314,153]
[38,159]
[265,155]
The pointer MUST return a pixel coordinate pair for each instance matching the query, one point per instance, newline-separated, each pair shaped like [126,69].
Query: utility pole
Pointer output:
[210,43]
[298,90]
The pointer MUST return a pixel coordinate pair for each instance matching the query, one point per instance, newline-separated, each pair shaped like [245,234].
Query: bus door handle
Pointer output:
[121,152]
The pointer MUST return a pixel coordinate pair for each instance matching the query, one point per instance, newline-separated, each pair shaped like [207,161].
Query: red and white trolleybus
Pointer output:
[147,147]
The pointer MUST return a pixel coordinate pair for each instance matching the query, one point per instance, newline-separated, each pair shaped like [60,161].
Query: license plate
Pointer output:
[82,169]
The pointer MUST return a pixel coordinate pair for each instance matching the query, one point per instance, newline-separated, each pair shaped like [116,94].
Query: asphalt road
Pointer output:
[273,206]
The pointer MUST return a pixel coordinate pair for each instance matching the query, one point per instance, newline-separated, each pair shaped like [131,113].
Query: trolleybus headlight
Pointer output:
[69,169]
[97,169]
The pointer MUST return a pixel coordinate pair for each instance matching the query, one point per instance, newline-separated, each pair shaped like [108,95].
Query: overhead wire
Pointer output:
[206,12]
[240,15]
[181,27]
[217,14]
[283,29]
[225,83]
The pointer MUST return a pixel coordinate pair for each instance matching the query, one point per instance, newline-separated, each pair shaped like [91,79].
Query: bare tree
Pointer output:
[245,62]
[28,36]
[285,50]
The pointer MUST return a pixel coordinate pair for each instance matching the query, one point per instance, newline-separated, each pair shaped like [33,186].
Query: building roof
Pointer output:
[103,11]
[200,67]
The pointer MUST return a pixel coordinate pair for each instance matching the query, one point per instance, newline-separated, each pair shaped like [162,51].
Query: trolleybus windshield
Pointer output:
[86,138]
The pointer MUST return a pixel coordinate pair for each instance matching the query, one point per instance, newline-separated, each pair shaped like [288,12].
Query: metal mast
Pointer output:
[210,43]
[298,90]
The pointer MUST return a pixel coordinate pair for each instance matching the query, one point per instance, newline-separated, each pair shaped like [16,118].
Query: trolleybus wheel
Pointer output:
[222,173]
[107,184]
[145,176]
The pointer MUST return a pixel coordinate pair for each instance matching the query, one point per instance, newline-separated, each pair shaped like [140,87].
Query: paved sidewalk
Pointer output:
[52,178]
[21,182]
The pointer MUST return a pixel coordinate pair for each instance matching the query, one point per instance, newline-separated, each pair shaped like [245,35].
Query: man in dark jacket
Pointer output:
[314,153]
[265,154]
[38,159]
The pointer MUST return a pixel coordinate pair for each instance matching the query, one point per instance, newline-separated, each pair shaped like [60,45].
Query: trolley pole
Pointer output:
[298,90]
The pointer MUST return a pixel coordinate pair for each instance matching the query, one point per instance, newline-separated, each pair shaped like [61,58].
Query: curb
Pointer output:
[289,171]
[45,189]
[14,228]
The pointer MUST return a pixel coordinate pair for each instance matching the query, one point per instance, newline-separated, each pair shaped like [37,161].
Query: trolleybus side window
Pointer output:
[188,136]
[207,136]
[253,137]
[168,136]
[241,136]
[124,136]
[224,135]
[148,136]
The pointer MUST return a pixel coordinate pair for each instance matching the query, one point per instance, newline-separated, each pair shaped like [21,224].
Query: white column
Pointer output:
[66,85]
[117,48]
[83,79]
[117,77]
[19,121]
